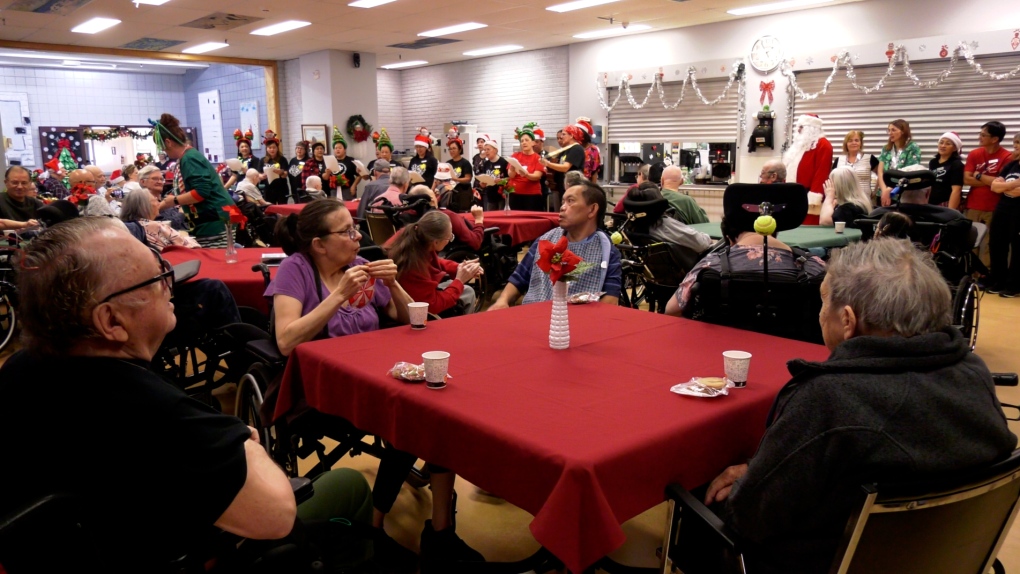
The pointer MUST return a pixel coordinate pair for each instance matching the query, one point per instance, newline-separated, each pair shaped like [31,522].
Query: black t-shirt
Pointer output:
[152,467]
[848,213]
[250,163]
[575,157]
[349,172]
[295,167]
[1010,172]
[18,211]
[462,167]
[497,169]
[476,163]
[425,167]
[947,175]
[276,192]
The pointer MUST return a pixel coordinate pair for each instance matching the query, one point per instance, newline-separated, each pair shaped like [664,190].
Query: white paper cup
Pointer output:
[735,365]
[419,314]
[840,226]
[437,364]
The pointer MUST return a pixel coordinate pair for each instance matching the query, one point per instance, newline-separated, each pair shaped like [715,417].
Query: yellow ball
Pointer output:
[616,237]
[765,225]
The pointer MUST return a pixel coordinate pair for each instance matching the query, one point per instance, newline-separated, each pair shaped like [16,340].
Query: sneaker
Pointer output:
[440,551]
[1008,293]
[390,556]
[994,289]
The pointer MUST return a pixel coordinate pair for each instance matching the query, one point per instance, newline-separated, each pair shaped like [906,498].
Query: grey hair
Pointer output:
[846,189]
[643,171]
[420,189]
[146,171]
[777,167]
[60,276]
[891,286]
[137,205]
[313,179]
[572,178]
[399,176]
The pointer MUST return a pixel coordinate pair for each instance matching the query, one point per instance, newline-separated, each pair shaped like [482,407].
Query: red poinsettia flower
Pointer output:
[556,260]
[80,193]
[235,215]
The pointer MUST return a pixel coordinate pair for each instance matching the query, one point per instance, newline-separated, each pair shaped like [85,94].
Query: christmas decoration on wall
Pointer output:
[843,59]
[67,164]
[766,91]
[114,133]
[54,139]
[1015,42]
[358,128]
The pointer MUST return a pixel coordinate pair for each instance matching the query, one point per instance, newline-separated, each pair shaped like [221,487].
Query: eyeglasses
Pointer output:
[350,232]
[167,277]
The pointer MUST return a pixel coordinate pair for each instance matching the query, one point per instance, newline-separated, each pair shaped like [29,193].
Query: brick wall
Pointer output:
[71,97]
[391,106]
[290,104]
[236,84]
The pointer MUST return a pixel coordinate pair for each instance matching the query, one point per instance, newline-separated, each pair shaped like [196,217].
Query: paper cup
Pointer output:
[840,226]
[437,363]
[735,365]
[419,313]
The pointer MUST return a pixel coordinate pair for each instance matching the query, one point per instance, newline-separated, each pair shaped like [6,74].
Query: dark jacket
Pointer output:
[879,408]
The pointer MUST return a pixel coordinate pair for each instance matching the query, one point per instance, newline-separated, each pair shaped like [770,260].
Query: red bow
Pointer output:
[556,260]
[766,91]
[235,215]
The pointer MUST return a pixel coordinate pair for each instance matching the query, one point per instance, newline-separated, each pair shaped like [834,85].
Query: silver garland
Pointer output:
[741,108]
[657,85]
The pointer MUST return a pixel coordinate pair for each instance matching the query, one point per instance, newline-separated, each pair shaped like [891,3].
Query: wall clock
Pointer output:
[766,54]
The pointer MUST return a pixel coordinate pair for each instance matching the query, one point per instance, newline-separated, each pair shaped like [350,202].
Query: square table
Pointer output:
[247,286]
[584,438]
[805,236]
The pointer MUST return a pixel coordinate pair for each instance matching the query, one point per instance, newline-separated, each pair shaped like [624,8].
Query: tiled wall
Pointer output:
[391,107]
[290,104]
[236,84]
[71,97]
[496,94]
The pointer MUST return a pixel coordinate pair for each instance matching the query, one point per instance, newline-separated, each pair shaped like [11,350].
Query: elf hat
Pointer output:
[241,138]
[384,140]
[338,138]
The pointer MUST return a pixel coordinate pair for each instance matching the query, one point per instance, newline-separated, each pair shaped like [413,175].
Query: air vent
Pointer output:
[423,43]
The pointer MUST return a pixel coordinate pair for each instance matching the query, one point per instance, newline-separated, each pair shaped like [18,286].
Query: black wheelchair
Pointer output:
[8,296]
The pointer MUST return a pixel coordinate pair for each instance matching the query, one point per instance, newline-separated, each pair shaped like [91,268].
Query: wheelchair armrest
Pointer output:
[1005,379]
[696,508]
[266,351]
[303,488]
[698,554]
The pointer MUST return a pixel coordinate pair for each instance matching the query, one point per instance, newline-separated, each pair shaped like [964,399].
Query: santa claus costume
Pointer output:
[809,161]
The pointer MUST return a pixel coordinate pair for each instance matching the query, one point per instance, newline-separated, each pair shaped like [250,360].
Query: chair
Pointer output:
[380,227]
[951,524]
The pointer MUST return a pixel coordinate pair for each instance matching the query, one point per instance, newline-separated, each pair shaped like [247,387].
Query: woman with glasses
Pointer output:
[425,275]
[142,208]
[151,179]
[900,151]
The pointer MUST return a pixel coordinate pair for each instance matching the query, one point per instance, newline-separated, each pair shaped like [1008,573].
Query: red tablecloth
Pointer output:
[288,208]
[584,438]
[246,285]
[521,226]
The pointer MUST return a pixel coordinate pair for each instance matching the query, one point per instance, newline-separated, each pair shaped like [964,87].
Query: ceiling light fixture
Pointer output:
[370,3]
[607,32]
[281,28]
[70,63]
[453,29]
[149,2]
[494,50]
[95,25]
[399,65]
[788,5]
[203,48]
[578,5]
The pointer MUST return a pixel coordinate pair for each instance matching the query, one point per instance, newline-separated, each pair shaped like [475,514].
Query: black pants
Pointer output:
[394,466]
[528,202]
[1004,244]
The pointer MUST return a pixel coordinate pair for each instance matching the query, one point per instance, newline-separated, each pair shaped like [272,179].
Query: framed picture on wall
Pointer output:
[314,133]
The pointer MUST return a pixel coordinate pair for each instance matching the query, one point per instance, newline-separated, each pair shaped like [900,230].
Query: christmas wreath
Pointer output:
[358,128]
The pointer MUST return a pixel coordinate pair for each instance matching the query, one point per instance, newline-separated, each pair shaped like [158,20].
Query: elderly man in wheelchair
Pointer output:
[900,398]
[188,473]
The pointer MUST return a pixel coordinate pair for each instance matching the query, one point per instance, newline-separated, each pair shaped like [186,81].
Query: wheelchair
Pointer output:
[8,297]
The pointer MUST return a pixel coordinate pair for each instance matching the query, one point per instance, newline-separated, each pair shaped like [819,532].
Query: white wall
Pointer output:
[497,94]
[391,106]
[290,105]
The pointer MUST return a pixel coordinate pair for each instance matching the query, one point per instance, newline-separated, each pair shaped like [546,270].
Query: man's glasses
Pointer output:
[167,277]
[351,232]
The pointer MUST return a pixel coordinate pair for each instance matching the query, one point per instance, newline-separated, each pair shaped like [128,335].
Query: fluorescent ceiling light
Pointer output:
[453,29]
[399,65]
[607,32]
[203,48]
[788,5]
[70,63]
[370,3]
[281,28]
[494,50]
[579,4]
[95,25]
[149,2]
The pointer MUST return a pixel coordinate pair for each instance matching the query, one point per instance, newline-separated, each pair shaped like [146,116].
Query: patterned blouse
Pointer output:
[910,155]
[592,161]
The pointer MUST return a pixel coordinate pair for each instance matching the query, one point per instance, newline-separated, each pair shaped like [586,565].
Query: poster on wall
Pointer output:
[250,120]
[54,139]
[212,126]
[14,118]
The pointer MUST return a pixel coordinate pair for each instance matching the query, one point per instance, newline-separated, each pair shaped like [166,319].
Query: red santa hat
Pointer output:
[809,120]
[539,134]
[490,141]
[53,164]
[116,177]
[955,138]
[585,124]
[423,137]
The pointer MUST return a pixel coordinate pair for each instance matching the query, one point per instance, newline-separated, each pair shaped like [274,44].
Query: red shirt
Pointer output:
[469,233]
[522,185]
[979,161]
[423,286]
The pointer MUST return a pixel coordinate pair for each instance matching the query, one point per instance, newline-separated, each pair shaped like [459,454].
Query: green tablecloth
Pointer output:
[805,236]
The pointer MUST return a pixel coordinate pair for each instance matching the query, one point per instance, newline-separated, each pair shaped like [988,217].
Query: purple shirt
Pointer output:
[296,279]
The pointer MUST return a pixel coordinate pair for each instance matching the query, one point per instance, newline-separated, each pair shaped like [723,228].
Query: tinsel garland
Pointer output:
[899,56]
[657,85]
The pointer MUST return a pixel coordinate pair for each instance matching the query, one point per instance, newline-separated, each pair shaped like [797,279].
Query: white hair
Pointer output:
[313,182]
[252,175]
[846,189]
[803,141]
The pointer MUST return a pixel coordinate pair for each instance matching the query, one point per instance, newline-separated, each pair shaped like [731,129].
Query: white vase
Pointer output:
[231,250]
[559,323]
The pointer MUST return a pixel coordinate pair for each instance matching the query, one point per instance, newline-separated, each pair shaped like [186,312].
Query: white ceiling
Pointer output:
[335,25]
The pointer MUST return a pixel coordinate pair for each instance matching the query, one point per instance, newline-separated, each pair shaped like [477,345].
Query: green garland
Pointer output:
[356,119]
[113,133]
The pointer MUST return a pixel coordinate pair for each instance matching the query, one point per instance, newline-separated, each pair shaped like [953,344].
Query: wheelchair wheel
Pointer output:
[8,320]
[632,293]
[966,309]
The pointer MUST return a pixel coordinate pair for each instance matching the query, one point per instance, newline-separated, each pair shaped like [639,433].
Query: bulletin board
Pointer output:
[250,120]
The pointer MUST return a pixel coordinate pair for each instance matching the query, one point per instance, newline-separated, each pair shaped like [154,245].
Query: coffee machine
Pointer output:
[720,160]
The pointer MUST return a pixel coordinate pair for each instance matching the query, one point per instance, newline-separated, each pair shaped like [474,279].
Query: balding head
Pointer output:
[83,176]
[774,171]
[98,173]
[672,177]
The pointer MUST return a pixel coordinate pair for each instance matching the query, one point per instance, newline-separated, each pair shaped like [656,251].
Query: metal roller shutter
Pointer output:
[691,121]
[961,104]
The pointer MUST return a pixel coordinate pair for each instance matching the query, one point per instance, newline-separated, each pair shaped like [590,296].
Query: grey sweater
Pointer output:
[880,408]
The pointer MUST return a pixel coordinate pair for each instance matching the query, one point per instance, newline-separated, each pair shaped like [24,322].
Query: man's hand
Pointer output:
[476,212]
[720,488]
[384,270]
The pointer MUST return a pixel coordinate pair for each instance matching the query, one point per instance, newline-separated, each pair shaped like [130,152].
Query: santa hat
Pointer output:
[338,138]
[116,177]
[539,134]
[809,120]
[584,123]
[240,138]
[490,141]
[422,140]
[270,137]
[953,137]
[53,164]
